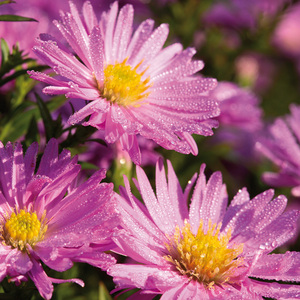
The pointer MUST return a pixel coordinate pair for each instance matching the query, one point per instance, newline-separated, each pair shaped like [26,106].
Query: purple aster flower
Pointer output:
[206,251]
[45,218]
[241,13]
[229,16]
[133,85]
[281,145]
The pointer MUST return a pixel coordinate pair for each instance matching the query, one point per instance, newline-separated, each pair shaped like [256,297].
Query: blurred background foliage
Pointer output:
[245,55]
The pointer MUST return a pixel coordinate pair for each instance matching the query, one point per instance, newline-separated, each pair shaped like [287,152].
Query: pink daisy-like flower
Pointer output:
[240,119]
[134,87]
[239,107]
[45,218]
[281,144]
[206,251]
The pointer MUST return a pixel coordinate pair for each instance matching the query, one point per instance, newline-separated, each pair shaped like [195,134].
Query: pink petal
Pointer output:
[41,280]
[89,16]
[279,267]
[275,290]
[145,277]
[122,33]
[109,29]
[136,249]
[97,54]
[157,213]
[208,201]
[139,37]
[151,47]
[179,201]
[18,261]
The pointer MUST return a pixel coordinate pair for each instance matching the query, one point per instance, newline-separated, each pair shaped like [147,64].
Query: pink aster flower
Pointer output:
[132,85]
[281,144]
[239,107]
[45,218]
[241,13]
[240,119]
[209,250]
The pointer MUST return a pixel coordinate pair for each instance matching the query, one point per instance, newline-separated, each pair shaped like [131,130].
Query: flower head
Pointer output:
[280,144]
[206,251]
[240,119]
[134,87]
[45,218]
[286,36]
[239,107]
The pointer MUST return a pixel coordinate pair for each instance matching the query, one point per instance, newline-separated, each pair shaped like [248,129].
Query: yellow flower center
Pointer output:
[204,257]
[123,85]
[23,228]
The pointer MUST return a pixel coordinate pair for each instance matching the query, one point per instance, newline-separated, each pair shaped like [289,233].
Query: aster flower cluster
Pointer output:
[95,104]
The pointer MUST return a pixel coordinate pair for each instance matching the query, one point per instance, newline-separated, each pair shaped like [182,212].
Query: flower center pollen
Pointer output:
[124,85]
[23,228]
[204,257]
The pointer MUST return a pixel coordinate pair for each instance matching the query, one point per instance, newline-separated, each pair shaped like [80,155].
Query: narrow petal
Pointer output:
[280,267]
[109,31]
[179,203]
[122,33]
[151,46]
[208,201]
[140,36]
[41,280]
[158,215]
[276,290]
[97,54]
[145,277]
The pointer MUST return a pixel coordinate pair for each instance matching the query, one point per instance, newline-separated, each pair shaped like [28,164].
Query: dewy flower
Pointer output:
[281,144]
[239,107]
[206,251]
[240,119]
[45,218]
[134,87]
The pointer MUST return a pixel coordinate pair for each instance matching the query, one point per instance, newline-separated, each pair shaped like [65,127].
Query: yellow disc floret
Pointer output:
[204,257]
[23,228]
[123,85]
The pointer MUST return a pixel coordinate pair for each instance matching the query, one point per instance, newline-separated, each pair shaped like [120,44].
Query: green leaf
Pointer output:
[7,2]
[14,18]
[81,134]
[52,128]
[21,72]
[11,60]
[103,292]
[18,122]
[32,132]
[23,85]
[86,165]
[4,51]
